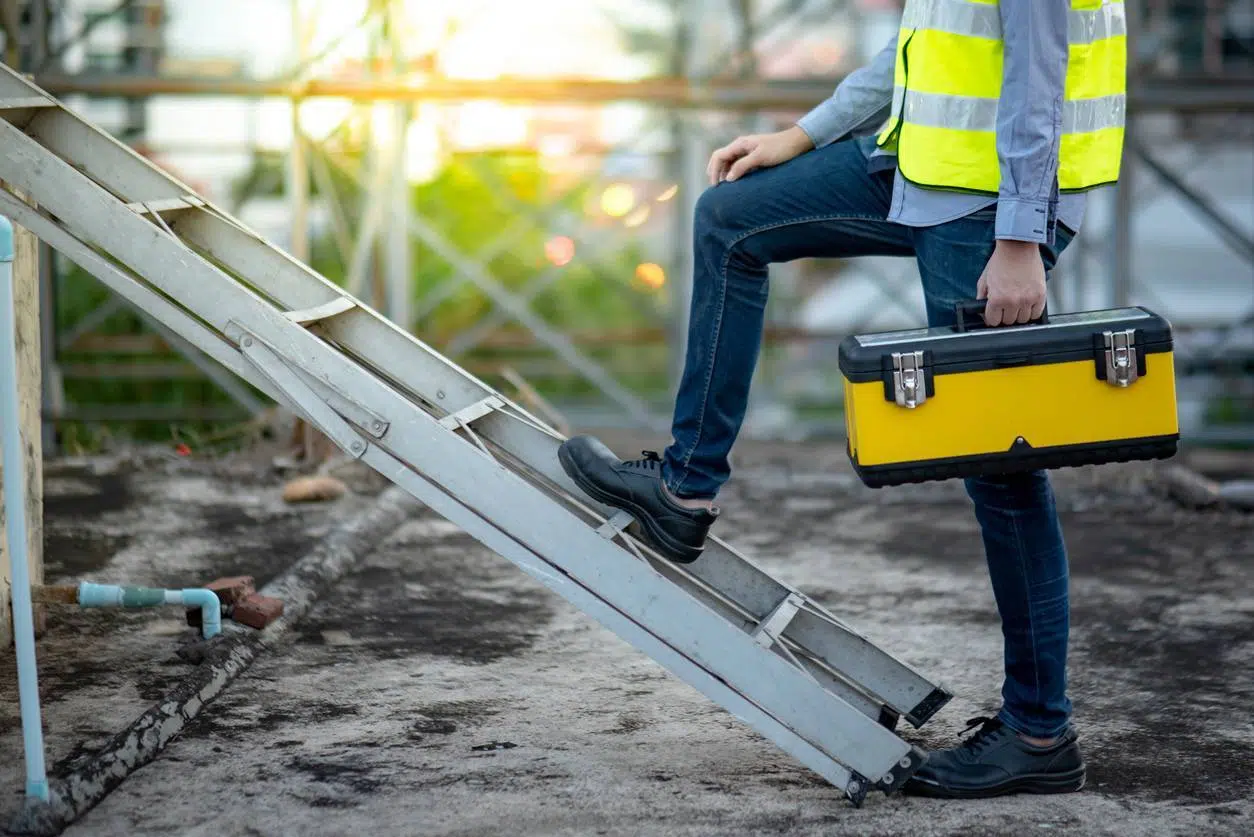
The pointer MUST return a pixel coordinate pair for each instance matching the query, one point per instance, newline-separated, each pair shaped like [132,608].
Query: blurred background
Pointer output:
[513,183]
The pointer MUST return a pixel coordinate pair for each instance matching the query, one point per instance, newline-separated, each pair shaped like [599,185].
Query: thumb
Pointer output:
[746,164]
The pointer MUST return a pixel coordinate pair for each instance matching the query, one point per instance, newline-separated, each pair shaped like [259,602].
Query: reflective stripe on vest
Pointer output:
[968,113]
[947,88]
[982,20]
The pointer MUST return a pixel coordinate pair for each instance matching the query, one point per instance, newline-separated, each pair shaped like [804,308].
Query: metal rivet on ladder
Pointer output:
[377,426]
[358,447]
[440,395]
[247,342]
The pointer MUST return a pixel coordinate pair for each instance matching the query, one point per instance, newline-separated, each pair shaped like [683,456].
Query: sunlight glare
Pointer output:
[651,274]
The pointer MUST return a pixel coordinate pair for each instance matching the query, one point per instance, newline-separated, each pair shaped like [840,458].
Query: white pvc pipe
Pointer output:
[15,516]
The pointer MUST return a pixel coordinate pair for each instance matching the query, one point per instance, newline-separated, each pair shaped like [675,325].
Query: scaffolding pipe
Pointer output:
[1182,95]
[15,517]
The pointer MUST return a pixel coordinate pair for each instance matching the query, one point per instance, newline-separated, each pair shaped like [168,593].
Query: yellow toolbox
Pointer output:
[970,400]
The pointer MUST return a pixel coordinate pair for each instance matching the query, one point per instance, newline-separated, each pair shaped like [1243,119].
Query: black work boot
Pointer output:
[997,761]
[636,487]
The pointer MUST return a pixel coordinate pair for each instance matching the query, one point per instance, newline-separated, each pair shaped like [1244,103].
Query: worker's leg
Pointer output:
[1027,563]
[823,203]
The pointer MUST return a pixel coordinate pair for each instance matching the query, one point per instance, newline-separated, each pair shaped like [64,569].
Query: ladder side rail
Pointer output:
[465,473]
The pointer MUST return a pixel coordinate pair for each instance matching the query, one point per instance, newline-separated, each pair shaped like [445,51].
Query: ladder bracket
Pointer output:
[472,412]
[308,316]
[19,102]
[298,391]
[769,629]
[615,526]
[156,207]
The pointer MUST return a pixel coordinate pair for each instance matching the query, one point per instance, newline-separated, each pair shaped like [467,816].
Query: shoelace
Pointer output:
[987,732]
[651,461]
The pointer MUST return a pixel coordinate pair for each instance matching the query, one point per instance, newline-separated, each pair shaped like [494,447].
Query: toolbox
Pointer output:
[969,400]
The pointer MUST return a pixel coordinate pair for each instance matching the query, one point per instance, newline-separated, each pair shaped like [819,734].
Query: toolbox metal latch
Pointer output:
[909,379]
[1121,359]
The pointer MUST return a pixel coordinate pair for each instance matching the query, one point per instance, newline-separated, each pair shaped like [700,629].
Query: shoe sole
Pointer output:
[1045,783]
[655,535]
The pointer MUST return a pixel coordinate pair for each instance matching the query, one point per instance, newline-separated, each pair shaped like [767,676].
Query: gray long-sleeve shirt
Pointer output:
[1029,125]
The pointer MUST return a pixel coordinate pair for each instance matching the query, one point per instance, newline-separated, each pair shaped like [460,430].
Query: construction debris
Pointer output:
[315,489]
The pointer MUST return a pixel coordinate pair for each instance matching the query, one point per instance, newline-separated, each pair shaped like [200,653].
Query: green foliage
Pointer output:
[471,203]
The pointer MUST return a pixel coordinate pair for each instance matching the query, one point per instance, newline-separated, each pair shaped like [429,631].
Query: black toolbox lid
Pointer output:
[1062,338]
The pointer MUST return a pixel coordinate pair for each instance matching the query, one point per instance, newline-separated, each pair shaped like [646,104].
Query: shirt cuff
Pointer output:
[1025,220]
[825,123]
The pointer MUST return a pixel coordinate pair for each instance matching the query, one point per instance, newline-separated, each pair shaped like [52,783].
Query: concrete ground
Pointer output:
[439,691]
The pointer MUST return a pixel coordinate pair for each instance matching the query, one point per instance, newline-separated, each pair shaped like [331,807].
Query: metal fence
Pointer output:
[573,287]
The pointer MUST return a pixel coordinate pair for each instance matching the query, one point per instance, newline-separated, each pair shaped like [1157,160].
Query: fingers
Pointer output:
[745,164]
[1013,310]
[722,159]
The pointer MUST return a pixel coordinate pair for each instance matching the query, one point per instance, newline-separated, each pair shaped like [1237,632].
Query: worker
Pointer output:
[968,143]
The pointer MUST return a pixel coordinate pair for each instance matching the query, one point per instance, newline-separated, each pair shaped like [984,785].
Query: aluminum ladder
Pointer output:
[764,651]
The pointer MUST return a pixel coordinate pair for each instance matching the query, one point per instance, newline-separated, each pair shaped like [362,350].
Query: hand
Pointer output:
[1014,283]
[756,151]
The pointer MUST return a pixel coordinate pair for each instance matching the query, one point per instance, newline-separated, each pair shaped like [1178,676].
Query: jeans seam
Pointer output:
[722,301]
[1036,666]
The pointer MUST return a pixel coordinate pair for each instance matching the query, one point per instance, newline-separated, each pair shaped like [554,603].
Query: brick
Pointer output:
[233,589]
[257,611]
[230,590]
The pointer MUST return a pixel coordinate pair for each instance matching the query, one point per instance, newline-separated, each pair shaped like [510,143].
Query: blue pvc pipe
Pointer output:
[15,516]
[113,595]
[210,610]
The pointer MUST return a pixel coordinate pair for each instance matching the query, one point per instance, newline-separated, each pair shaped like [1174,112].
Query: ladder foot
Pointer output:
[895,779]
[856,790]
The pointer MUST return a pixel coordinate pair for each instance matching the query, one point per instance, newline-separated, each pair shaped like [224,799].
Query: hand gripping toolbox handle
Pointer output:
[967,307]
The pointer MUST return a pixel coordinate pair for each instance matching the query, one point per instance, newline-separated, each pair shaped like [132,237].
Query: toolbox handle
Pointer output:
[977,306]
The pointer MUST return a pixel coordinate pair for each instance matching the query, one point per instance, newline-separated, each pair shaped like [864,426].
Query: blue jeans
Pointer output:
[826,204]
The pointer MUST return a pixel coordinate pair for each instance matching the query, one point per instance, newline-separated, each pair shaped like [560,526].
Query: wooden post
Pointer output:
[26,296]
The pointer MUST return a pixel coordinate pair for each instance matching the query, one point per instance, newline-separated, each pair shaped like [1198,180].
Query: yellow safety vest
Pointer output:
[943,124]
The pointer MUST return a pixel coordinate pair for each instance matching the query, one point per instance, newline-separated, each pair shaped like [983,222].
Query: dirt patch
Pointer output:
[262,544]
[239,716]
[70,553]
[434,603]
[83,494]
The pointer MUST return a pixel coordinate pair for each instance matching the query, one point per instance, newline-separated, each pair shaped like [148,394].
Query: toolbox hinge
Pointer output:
[909,379]
[1121,360]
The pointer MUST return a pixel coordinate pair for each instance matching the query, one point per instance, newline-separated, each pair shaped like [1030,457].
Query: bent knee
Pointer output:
[718,209]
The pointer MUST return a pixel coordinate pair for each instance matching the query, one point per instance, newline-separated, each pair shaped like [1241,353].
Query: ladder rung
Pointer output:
[473,412]
[326,310]
[160,205]
[19,102]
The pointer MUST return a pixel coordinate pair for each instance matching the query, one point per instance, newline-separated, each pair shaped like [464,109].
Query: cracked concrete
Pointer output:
[439,691]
